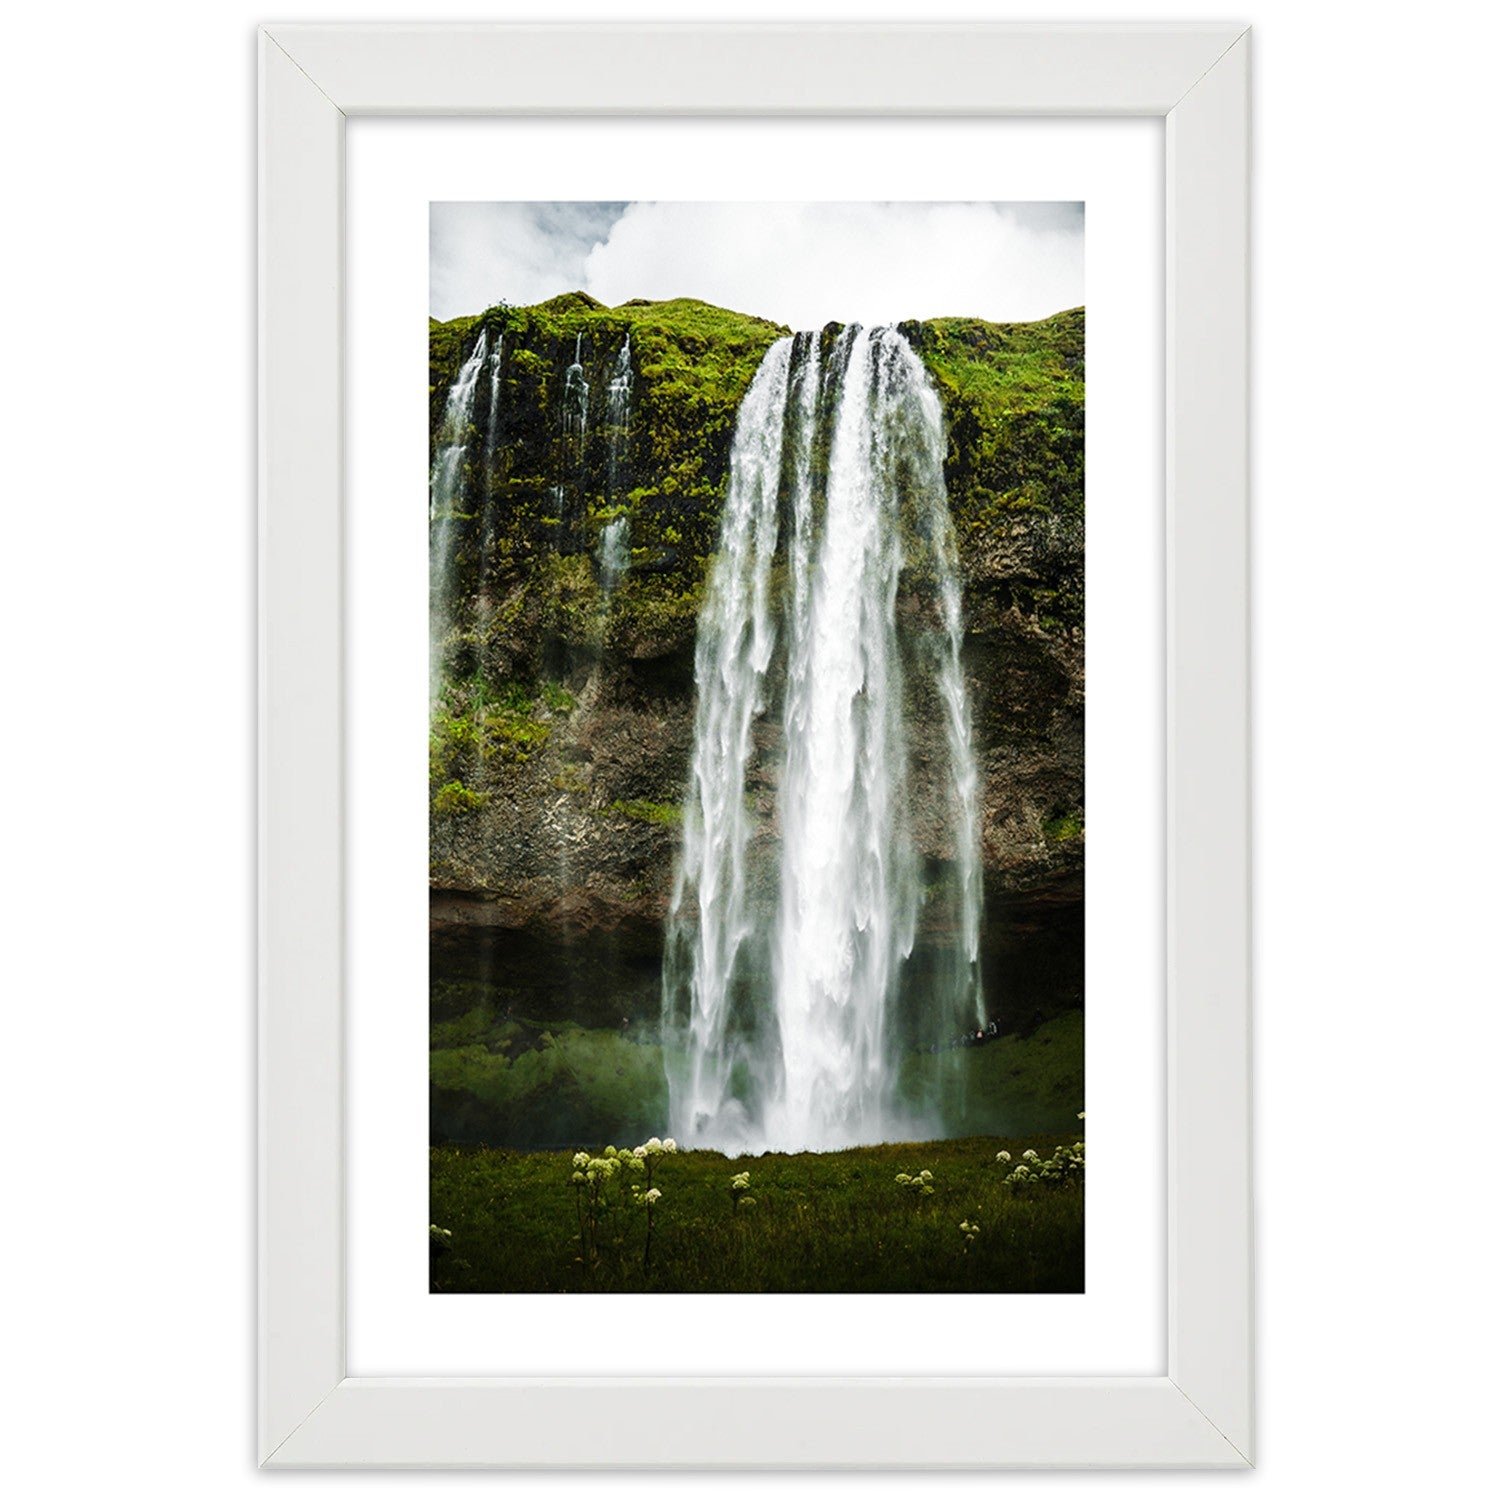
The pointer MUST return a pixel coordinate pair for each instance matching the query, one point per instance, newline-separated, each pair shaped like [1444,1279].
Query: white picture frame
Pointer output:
[1198,1414]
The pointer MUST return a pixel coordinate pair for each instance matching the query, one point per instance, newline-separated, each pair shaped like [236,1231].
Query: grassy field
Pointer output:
[512,1221]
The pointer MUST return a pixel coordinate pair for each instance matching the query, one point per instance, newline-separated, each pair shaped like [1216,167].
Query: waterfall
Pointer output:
[617,417]
[614,540]
[445,500]
[492,424]
[793,916]
[710,920]
[445,483]
[575,402]
[614,553]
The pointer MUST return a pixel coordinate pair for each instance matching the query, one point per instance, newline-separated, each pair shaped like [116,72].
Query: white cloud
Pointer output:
[803,264]
[806,264]
[483,253]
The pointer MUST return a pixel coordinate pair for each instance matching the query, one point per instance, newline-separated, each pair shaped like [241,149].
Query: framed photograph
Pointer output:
[674,831]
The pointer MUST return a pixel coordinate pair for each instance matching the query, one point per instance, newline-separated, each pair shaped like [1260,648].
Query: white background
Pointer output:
[127,833]
[395,1326]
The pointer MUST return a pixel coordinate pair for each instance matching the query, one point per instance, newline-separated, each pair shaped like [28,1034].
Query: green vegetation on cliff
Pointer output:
[1013,393]
[471,730]
[543,477]
[667,814]
[1013,396]
[531,515]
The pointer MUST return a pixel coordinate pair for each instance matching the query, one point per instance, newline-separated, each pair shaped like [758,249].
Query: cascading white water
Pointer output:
[617,416]
[614,539]
[575,402]
[492,422]
[785,956]
[445,482]
[848,887]
[717,1059]
[445,499]
[614,553]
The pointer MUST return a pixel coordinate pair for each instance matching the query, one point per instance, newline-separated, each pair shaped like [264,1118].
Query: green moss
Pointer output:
[447,343]
[663,814]
[545,497]
[480,721]
[454,797]
[570,779]
[1061,827]
[524,363]
[1013,394]
[453,741]
[514,738]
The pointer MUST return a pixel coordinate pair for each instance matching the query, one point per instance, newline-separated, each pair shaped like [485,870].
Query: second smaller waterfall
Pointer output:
[447,488]
[492,424]
[614,553]
[575,402]
[614,541]
[617,417]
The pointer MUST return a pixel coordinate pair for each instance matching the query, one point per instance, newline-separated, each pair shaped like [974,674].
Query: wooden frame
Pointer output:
[311,1414]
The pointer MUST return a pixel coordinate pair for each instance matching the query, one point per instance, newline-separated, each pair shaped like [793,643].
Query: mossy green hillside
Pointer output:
[546,474]
[1013,397]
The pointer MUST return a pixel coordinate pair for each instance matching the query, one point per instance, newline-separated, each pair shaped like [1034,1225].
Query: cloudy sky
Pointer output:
[802,264]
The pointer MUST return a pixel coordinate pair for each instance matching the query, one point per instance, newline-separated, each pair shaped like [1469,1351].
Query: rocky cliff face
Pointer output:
[561,746]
